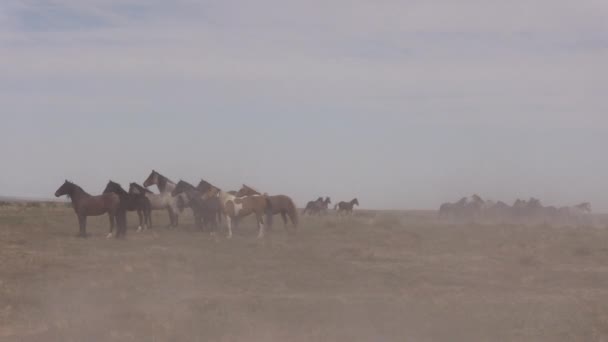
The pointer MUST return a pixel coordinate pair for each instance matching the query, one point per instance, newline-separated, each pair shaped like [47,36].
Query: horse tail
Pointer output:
[292,211]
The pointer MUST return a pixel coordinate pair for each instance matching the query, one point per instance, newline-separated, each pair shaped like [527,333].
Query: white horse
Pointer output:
[165,200]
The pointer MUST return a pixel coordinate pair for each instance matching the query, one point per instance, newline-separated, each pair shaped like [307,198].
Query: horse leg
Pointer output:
[170,212]
[260,225]
[140,214]
[284,216]
[111,216]
[229,226]
[82,223]
[269,220]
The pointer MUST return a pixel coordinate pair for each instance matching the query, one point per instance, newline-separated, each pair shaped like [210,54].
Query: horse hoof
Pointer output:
[109,236]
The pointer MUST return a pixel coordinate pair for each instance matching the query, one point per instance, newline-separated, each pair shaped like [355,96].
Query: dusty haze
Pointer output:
[404,104]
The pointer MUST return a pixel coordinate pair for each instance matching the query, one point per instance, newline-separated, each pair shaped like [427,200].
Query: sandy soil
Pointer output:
[374,277]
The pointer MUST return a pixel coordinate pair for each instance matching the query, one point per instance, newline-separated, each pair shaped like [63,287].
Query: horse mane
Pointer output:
[251,189]
[118,187]
[140,188]
[76,188]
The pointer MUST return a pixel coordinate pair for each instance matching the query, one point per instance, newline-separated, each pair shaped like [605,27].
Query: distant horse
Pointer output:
[132,202]
[165,200]
[577,214]
[453,210]
[86,205]
[313,207]
[346,207]
[235,208]
[325,206]
[279,204]
[206,210]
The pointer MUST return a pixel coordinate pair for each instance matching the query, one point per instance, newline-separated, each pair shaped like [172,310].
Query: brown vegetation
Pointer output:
[389,276]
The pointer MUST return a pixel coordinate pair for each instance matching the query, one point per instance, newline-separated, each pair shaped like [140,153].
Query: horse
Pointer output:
[235,208]
[577,214]
[279,204]
[346,207]
[325,205]
[206,210]
[86,205]
[164,199]
[453,210]
[132,202]
[313,207]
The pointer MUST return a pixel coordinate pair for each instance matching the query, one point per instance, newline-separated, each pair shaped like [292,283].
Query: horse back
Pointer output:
[99,205]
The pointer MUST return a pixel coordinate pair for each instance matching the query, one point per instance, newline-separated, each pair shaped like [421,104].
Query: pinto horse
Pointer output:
[346,207]
[132,202]
[164,200]
[87,205]
[237,207]
[279,204]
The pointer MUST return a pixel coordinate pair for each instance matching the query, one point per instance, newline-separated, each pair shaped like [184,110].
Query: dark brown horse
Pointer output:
[206,211]
[133,202]
[278,204]
[346,207]
[86,205]
[312,207]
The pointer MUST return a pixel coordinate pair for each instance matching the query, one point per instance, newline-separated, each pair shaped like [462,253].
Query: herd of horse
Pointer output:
[475,209]
[209,204]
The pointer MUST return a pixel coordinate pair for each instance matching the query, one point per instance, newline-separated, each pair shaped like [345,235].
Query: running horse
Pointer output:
[279,204]
[132,202]
[86,205]
[313,207]
[237,207]
[346,207]
[164,200]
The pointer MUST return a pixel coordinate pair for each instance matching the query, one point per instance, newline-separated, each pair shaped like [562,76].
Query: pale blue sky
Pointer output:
[404,104]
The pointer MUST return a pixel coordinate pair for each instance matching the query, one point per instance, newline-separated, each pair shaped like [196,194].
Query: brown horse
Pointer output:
[86,205]
[279,204]
[133,202]
[346,207]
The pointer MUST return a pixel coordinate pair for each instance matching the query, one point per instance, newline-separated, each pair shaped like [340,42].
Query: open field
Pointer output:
[392,276]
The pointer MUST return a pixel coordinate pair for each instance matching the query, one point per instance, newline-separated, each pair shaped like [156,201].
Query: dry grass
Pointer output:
[387,276]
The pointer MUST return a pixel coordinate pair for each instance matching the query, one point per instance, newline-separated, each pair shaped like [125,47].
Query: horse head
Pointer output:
[113,187]
[65,189]
[182,187]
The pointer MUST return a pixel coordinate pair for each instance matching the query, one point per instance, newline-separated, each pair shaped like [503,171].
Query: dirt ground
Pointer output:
[391,276]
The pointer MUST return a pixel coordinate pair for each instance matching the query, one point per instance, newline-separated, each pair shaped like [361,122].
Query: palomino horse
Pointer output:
[86,205]
[346,207]
[132,202]
[279,204]
[235,208]
[206,210]
[165,200]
